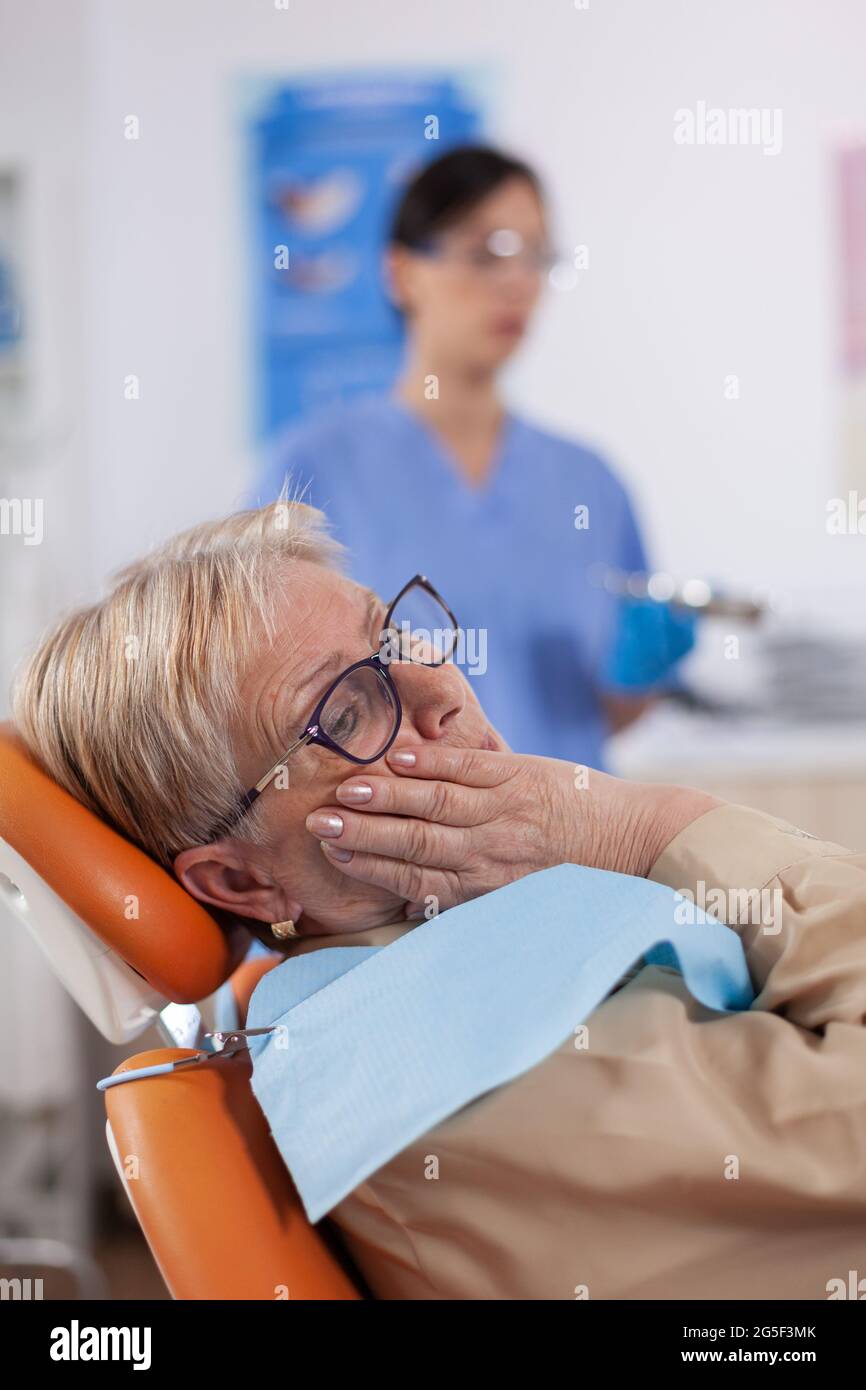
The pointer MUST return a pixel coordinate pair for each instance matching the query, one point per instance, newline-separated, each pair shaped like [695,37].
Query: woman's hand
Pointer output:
[459,822]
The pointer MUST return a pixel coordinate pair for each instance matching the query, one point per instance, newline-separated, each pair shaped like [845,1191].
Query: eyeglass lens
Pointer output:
[360,715]
[420,629]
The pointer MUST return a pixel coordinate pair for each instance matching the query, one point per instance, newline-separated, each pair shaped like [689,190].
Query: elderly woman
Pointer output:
[307,758]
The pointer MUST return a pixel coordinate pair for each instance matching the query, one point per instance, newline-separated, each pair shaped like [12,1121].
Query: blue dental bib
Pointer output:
[375,1045]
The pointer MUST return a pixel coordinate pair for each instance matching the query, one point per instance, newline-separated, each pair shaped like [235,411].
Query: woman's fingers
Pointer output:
[472,767]
[423,888]
[446,803]
[418,842]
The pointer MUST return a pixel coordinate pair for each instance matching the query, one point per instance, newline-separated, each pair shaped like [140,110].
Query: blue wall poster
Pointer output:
[327,160]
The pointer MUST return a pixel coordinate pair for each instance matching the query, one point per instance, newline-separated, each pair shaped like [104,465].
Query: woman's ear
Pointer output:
[227,876]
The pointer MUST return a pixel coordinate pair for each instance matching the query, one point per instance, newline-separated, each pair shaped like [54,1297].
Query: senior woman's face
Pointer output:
[327,622]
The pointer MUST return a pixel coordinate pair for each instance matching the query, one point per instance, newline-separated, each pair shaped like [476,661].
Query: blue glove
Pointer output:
[650,638]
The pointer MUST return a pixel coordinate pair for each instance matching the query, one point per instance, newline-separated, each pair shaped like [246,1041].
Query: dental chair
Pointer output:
[192,1148]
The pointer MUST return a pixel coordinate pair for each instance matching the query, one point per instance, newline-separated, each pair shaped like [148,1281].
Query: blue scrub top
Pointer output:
[506,557]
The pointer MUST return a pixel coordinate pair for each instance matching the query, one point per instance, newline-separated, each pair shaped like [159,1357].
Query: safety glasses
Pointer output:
[493,255]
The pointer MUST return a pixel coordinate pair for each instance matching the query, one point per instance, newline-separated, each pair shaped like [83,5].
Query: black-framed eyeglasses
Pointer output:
[359,715]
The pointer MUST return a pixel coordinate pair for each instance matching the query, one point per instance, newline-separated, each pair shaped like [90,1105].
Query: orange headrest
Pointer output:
[173,941]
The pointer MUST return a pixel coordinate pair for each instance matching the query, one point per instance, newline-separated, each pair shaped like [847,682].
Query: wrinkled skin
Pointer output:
[460,823]
[326,622]
[465,818]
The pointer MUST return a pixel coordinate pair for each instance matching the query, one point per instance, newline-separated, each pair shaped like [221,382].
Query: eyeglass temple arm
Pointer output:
[255,792]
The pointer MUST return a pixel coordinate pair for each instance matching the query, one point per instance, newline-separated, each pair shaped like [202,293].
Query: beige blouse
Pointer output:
[676,1153]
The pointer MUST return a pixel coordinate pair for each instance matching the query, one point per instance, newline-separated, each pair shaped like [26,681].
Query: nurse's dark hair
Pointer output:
[443,192]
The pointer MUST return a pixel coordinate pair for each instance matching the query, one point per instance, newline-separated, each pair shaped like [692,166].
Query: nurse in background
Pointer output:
[509,521]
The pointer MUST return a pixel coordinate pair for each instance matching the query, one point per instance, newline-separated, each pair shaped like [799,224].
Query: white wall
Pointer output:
[42,447]
[42,454]
[703,261]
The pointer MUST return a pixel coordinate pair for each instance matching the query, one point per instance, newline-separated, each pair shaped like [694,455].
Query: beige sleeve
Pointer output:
[797,903]
[683,1153]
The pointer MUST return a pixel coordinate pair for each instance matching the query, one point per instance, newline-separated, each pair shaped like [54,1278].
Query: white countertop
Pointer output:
[671,744]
